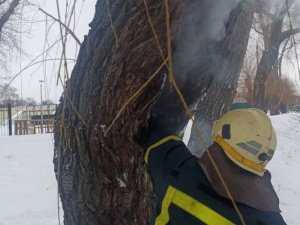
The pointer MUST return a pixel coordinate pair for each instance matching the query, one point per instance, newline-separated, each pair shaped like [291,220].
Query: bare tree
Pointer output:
[279,90]
[30,101]
[274,34]
[8,94]
[7,33]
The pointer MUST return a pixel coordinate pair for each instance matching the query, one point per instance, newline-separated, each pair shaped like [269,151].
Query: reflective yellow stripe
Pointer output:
[164,217]
[226,147]
[190,205]
[199,210]
[172,137]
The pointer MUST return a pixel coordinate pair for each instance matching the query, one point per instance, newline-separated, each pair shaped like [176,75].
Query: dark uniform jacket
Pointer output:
[185,196]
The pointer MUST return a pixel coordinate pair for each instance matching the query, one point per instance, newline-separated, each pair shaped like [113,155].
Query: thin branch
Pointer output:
[63,54]
[65,26]
[68,24]
[111,23]
[257,31]
[32,64]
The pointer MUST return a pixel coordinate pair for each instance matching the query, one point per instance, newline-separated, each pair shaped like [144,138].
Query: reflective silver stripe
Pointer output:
[255,144]
[248,148]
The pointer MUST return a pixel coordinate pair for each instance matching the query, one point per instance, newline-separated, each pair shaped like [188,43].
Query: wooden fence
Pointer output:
[24,127]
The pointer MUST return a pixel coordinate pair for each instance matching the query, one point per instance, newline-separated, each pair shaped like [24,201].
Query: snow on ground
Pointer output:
[28,192]
[285,166]
[27,181]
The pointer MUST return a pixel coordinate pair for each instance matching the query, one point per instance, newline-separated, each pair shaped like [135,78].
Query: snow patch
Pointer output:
[103,127]
[121,183]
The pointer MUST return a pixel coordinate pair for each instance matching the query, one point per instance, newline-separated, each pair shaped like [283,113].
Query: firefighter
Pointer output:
[189,190]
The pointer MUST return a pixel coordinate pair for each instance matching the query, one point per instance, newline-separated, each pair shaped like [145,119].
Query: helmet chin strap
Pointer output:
[231,151]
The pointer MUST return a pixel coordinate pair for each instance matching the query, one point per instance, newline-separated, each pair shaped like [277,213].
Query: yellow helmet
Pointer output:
[247,137]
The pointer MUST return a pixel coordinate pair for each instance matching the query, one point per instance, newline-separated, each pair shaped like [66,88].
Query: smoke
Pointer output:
[207,17]
[201,25]
[199,30]
[217,15]
[274,7]
[195,146]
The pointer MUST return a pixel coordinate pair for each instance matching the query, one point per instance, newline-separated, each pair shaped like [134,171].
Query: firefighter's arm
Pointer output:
[164,151]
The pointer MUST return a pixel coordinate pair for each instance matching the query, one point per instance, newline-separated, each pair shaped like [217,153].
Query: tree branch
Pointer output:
[281,14]
[256,30]
[288,33]
[65,26]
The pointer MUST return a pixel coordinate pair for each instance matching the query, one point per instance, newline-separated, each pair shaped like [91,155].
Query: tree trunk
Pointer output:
[283,108]
[103,179]
[273,105]
[219,97]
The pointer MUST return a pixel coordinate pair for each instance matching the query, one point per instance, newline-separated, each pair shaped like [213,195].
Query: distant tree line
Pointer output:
[280,93]
[9,94]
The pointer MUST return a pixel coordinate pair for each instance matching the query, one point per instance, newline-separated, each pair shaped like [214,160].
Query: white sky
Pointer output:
[27,82]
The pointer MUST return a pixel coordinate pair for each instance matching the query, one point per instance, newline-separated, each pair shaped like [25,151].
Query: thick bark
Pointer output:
[103,180]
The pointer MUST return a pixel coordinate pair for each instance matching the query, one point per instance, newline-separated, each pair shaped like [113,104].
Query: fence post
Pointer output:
[9,119]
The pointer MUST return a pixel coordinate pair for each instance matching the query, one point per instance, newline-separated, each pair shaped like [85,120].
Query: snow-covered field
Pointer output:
[27,181]
[285,166]
[28,192]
